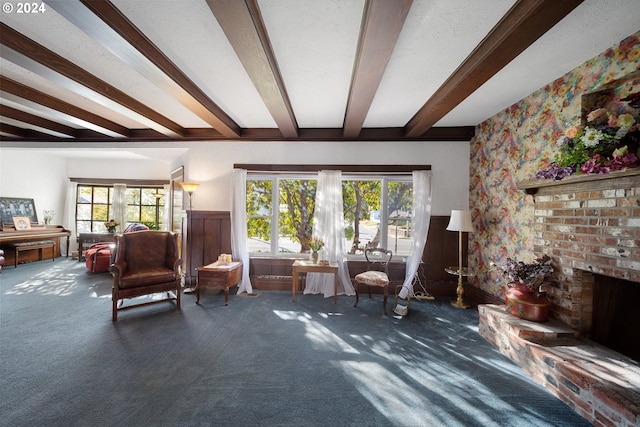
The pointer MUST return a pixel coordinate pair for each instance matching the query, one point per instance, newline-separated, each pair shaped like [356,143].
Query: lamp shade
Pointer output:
[189,187]
[460,221]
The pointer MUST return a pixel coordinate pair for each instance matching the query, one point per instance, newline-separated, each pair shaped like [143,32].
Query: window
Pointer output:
[280,209]
[378,213]
[145,205]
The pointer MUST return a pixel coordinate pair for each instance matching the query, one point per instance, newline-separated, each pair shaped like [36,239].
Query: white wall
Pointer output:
[118,169]
[35,175]
[211,165]
[42,175]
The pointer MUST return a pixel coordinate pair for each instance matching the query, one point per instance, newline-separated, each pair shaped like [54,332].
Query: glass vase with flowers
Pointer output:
[315,244]
[111,225]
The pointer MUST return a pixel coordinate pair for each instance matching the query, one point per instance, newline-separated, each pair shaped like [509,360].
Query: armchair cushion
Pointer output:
[373,278]
[377,274]
[150,276]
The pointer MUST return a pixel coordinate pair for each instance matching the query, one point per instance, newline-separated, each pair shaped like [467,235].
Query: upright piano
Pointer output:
[9,236]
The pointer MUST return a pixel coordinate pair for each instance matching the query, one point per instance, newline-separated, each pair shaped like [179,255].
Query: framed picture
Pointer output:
[177,199]
[17,207]
[22,222]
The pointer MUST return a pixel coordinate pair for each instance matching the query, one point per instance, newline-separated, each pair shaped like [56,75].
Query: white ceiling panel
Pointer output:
[188,33]
[421,63]
[60,36]
[41,84]
[317,63]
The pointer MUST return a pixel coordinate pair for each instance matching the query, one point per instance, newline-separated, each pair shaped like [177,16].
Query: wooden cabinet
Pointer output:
[206,234]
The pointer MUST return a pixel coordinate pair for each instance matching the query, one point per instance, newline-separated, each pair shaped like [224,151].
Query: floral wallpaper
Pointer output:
[517,142]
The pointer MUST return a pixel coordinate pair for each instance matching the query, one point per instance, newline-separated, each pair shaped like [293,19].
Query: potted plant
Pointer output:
[523,298]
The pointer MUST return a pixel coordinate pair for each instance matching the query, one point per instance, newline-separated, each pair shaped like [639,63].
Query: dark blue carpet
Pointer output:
[261,361]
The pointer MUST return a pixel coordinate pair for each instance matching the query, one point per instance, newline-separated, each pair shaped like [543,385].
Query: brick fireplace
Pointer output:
[590,226]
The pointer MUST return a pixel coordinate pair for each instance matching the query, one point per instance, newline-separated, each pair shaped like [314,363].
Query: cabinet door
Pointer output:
[208,234]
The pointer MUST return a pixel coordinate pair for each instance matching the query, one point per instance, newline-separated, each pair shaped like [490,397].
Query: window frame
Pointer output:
[110,189]
[384,176]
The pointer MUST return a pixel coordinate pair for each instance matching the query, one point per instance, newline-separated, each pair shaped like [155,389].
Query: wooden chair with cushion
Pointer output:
[377,273]
[145,262]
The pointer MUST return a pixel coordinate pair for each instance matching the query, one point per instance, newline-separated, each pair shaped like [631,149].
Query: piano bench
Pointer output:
[40,245]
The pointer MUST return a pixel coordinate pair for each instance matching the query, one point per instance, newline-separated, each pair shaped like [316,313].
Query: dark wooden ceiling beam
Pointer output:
[316,135]
[7,130]
[242,23]
[40,60]
[382,22]
[128,43]
[376,169]
[61,110]
[22,133]
[523,24]
[47,126]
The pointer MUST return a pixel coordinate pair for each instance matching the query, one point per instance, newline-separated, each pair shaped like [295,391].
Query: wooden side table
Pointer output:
[218,276]
[300,266]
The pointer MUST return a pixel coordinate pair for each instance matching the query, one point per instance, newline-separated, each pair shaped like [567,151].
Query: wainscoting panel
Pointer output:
[208,234]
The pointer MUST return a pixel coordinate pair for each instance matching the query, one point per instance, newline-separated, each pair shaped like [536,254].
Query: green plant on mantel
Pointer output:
[607,143]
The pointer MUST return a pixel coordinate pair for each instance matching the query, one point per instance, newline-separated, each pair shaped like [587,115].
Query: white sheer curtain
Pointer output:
[421,220]
[239,226]
[120,206]
[69,216]
[328,225]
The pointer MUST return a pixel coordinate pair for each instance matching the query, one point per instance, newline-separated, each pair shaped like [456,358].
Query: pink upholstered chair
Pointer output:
[377,274]
[145,262]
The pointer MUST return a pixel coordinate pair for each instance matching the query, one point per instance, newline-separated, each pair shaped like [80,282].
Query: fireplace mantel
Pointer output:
[532,186]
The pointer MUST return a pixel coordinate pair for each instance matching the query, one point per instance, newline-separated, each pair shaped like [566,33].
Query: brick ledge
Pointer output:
[601,385]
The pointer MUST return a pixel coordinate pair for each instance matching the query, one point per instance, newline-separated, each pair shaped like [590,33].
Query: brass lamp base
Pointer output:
[460,291]
[459,304]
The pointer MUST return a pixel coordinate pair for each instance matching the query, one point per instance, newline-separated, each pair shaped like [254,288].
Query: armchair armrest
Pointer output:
[176,264]
[117,270]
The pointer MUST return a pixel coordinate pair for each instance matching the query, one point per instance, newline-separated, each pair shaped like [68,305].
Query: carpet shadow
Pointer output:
[258,361]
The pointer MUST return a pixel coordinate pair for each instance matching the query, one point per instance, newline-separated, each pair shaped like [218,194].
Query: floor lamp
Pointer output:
[461,222]
[190,188]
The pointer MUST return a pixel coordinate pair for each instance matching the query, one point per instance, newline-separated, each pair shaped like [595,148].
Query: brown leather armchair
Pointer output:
[145,262]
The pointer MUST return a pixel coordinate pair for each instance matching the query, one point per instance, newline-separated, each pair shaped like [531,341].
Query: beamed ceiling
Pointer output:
[81,71]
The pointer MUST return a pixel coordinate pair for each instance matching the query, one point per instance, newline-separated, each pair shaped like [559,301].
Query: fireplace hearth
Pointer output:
[601,385]
[588,352]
